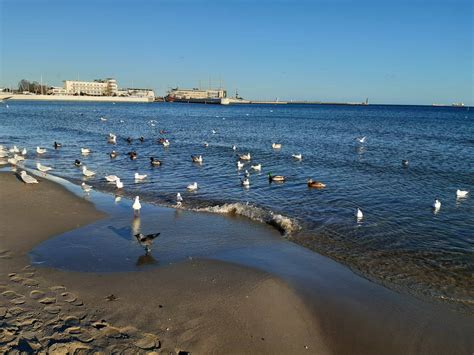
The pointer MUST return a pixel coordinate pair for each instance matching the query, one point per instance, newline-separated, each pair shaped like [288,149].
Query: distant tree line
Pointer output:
[32,86]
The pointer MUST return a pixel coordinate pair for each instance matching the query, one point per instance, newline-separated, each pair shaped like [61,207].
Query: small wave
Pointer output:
[284,224]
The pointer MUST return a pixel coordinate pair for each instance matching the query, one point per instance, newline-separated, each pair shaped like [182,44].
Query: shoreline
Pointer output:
[343,311]
[72,98]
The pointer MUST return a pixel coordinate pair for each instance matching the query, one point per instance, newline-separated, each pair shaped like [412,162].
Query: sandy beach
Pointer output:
[199,306]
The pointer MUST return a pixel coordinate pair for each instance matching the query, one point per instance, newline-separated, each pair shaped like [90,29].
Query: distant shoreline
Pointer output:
[73,98]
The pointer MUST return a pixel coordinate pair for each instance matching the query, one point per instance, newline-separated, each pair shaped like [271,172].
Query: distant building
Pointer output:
[107,87]
[56,90]
[136,92]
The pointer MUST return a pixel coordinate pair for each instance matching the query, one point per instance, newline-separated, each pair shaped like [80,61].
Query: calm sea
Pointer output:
[400,241]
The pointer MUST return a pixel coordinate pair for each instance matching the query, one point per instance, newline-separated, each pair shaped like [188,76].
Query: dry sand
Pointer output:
[199,306]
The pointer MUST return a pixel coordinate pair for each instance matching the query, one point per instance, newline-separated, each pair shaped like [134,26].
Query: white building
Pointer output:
[107,87]
[56,90]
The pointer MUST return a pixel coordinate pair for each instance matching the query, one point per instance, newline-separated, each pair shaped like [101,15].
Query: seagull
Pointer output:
[57,145]
[405,163]
[461,193]
[359,214]
[257,167]
[87,173]
[85,151]
[179,199]
[118,183]
[12,161]
[297,156]
[103,119]
[113,154]
[111,178]
[18,157]
[3,154]
[43,168]
[246,173]
[14,149]
[214,131]
[146,240]
[234,147]
[77,162]
[361,139]
[240,165]
[40,150]
[276,145]
[27,179]
[206,144]
[245,182]
[136,206]
[436,205]
[193,186]
[197,158]
[166,143]
[86,188]
[245,156]
[23,152]
[140,177]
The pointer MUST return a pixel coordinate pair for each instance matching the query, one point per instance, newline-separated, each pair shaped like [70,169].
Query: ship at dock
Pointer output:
[195,95]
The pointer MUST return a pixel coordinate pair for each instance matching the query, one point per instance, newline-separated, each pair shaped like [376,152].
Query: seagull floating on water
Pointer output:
[118,183]
[112,138]
[234,147]
[140,177]
[111,178]
[405,163]
[214,131]
[361,139]
[197,158]
[297,156]
[166,143]
[359,214]
[461,193]
[136,206]
[19,157]
[40,150]
[206,144]
[276,145]
[257,167]
[14,149]
[103,119]
[86,172]
[436,205]
[193,186]
[245,156]
[240,165]
[113,154]
[27,179]
[43,168]
[23,152]
[245,182]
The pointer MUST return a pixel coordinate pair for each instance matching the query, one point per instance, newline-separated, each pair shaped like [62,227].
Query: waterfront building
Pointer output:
[195,94]
[101,87]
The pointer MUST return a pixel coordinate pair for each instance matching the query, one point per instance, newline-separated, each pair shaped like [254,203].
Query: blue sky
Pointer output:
[414,52]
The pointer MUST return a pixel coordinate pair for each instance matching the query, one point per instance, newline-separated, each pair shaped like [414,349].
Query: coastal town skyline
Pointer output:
[418,53]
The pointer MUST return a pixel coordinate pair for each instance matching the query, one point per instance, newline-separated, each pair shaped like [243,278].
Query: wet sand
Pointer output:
[200,306]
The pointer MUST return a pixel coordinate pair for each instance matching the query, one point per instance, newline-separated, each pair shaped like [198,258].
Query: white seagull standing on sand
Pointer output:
[179,200]
[193,186]
[86,188]
[86,172]
[43,168]
[461,193]
[40,150]
[136,206]
[27,179]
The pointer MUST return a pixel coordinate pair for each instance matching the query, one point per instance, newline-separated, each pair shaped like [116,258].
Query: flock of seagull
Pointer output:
[15,157]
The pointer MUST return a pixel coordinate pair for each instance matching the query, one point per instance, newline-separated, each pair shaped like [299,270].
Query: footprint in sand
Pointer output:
[147,342]
[5,254]
[19,300]
[57,288]
[15,311]
[36,294]
[69,297]
[52,309]
[10,294]
[47,300]
[3,312]
[29,274]
[30,282]
[16,278]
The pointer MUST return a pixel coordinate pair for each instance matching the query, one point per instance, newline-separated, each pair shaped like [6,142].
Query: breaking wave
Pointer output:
[284,224]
